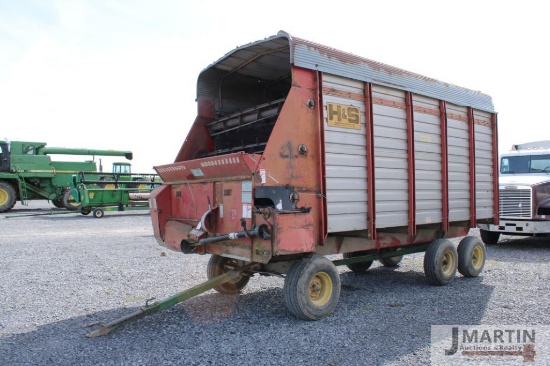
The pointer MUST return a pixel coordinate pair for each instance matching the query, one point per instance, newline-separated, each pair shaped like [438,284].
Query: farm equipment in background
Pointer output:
[120,190]
[27,172]
[300,151]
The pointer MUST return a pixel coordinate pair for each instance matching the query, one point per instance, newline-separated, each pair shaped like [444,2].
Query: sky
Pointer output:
[122,74]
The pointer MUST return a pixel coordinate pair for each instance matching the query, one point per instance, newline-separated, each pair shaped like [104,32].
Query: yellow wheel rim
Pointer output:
[320,289]
[109,186]
[3,197]
[72,202]
[448,264]
[477,257]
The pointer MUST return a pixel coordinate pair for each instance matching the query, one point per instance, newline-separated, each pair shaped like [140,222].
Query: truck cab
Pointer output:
[4,157]
[524,193]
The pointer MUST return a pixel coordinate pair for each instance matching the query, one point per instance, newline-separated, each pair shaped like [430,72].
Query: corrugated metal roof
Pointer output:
[270,59]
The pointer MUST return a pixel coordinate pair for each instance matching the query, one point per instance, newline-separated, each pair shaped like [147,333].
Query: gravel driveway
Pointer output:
[60,272]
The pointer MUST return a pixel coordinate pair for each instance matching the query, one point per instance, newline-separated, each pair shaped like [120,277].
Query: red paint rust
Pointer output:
[495,169]
[343,94]
[371,200]
[323,225]
[425,110]
[226,166]
[457,117]
[472,146]
[444,167]
[294,234]
[411,164]
[389,103]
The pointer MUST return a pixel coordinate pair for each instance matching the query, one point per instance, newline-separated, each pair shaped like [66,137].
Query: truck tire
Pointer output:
[440,262]
[360,266]
[7,197]
[218,265]
[471,256]
[312,288]
[391,261]
[69,202]
[489,237]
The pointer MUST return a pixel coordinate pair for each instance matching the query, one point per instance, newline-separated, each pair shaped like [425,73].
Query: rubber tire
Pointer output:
[441,262]
[357,267]
[299,285]
[217,266]
[471,256]
[489,237]
[391,261]
[85,211]
[58,203]
[98,213]
[69,202]
[7,197]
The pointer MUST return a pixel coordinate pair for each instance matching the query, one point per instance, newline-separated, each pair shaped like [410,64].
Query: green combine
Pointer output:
[27,172]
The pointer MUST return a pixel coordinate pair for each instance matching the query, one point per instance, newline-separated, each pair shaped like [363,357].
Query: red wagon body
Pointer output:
[300,151]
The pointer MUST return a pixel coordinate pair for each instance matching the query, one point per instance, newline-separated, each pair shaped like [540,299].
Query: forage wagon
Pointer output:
[300,151]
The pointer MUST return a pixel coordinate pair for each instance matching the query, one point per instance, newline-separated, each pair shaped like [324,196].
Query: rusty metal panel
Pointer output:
[298,127]
[160,197]
[390,157]
[237,198]
[427,144]
[459,162]
[484,164]
[345,154]
[190,201]
[294,234]
[229,165]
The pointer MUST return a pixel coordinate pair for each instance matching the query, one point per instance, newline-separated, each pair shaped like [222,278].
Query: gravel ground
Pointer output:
[61,272]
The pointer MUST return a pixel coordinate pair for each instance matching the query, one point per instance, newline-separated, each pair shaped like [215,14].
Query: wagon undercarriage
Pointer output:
[312,284]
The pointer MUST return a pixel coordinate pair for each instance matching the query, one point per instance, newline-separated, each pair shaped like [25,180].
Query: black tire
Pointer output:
[489,237]
[58,203]
[69,202]
[7,197]
[357,267]
[312,288]
[218,265]
[471,256]
[440,262]
[391,261]
[85,211]
[98,213]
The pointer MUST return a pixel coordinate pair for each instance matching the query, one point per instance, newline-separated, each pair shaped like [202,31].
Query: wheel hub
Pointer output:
[477,257]
[447,265]
[320,289]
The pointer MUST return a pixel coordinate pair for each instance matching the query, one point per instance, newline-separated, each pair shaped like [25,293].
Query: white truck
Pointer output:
[524,193]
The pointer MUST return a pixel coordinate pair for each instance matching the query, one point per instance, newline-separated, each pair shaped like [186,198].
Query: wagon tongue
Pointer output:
[223,166]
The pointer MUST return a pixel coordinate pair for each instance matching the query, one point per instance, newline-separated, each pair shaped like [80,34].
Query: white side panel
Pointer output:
[390,157]
[484,163]
[346,160]
[459,163]
[427,154]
